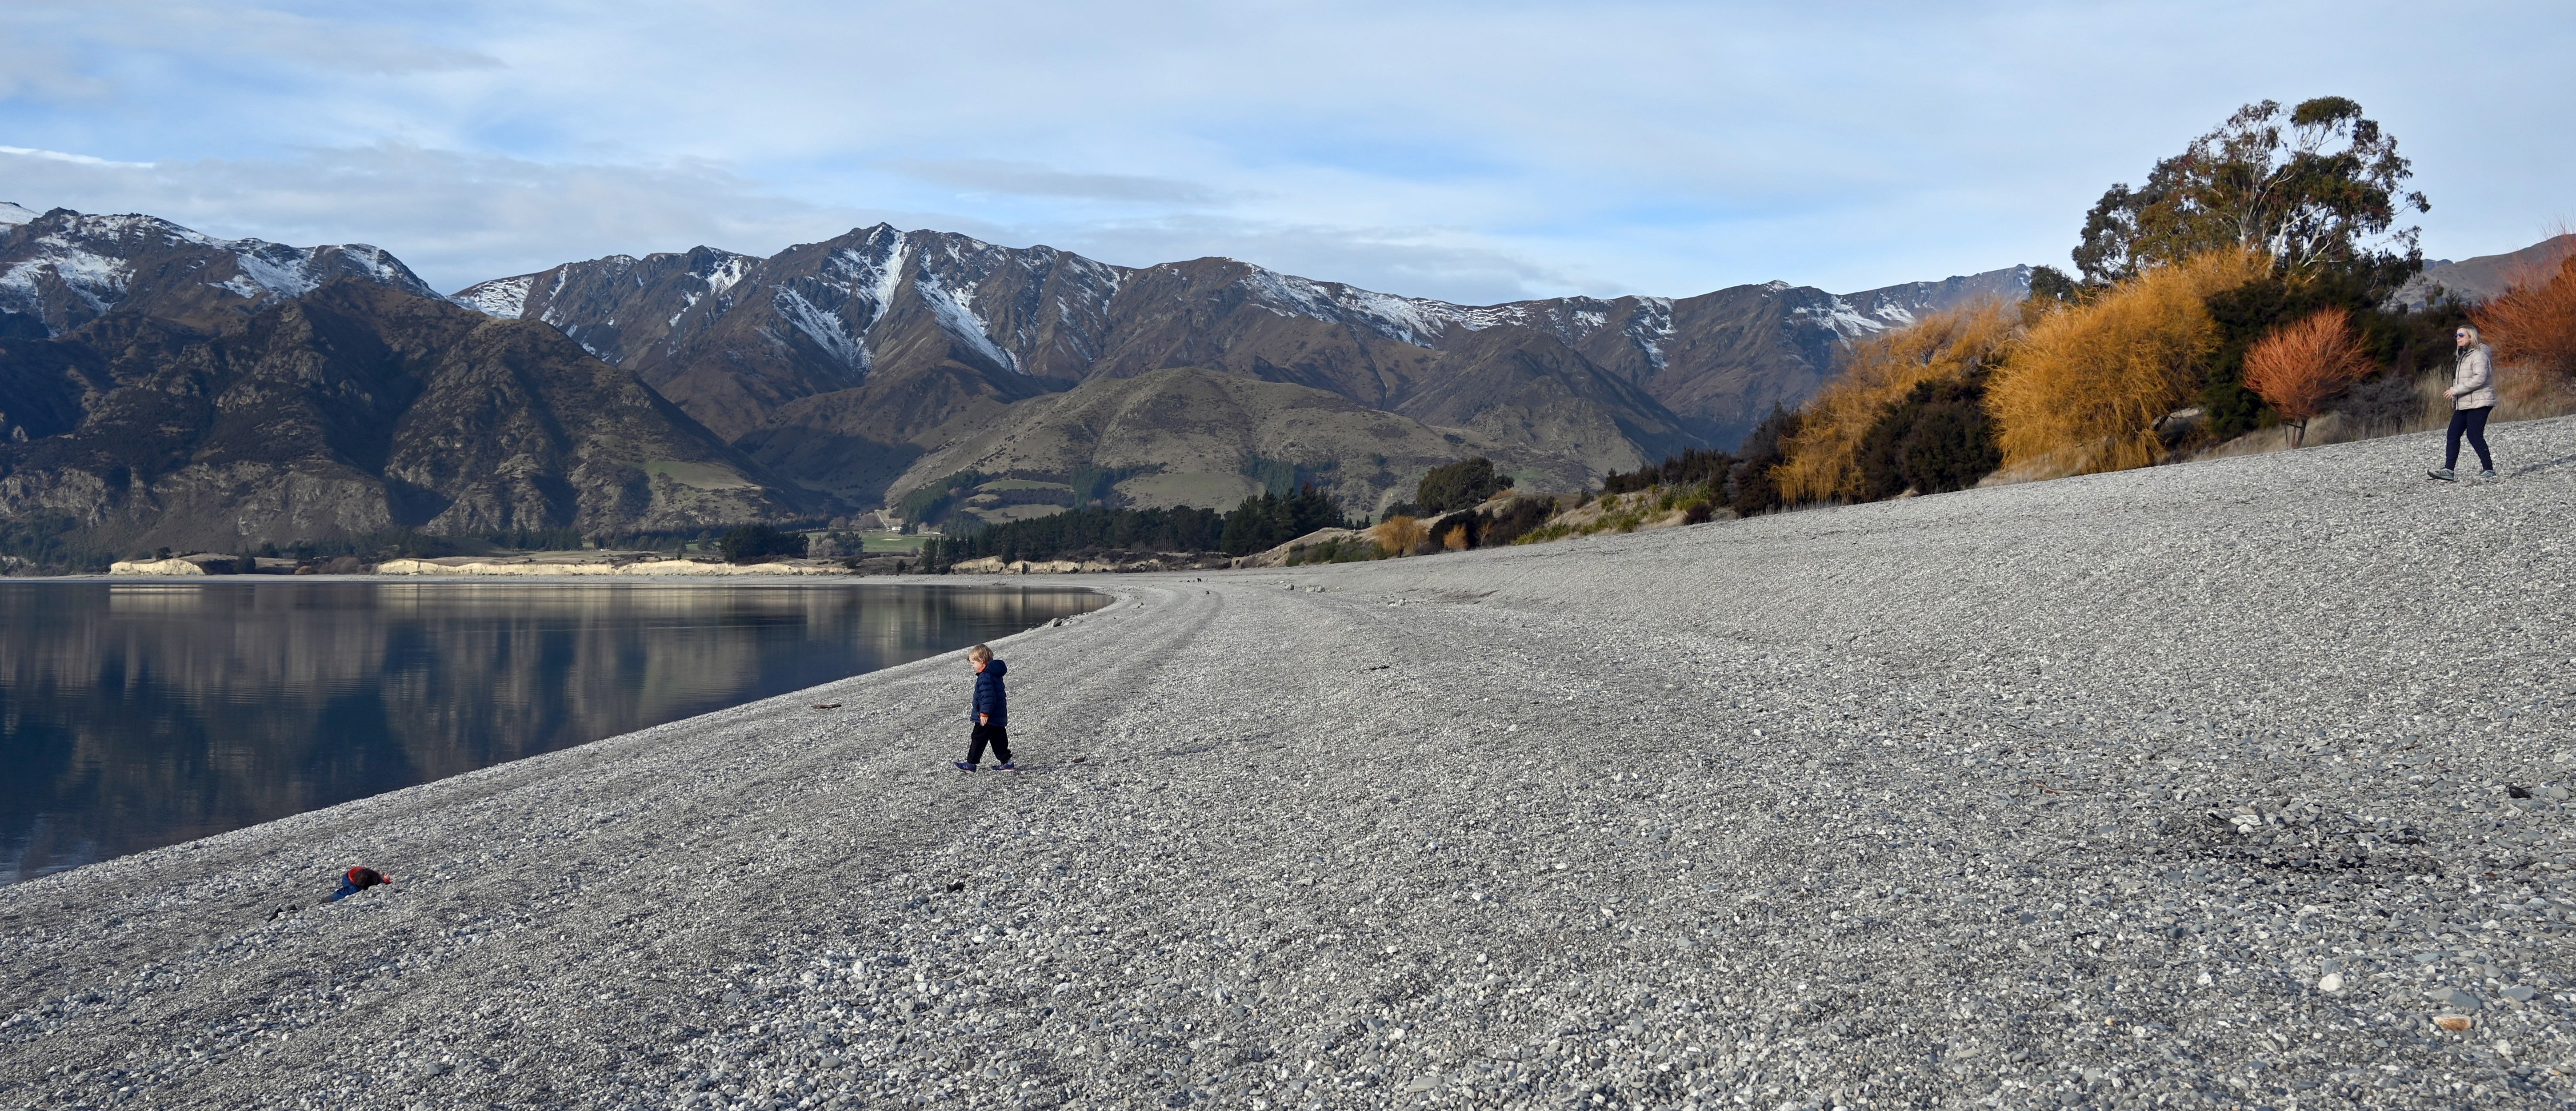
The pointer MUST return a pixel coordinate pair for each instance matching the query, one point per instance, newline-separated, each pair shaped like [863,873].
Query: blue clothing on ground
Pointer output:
[346,889]
[988,694]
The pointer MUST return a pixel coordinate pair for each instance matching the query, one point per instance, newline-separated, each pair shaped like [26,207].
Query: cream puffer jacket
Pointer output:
[2473,377]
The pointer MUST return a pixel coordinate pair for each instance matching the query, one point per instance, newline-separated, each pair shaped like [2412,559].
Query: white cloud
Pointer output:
[75,159]
[455,218]
[995,176]
[458,219]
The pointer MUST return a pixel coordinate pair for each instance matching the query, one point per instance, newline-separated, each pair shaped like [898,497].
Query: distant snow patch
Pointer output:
[506,298]
[96,279]
[1418,321]
[957,315]
[823,327]
[13,214]
[1839,316]
[272,269]
[1650,327]
[725,275]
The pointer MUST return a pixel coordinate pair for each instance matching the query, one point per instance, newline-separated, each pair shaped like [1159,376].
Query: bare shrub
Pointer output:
[2084,390]
[2301,365]
[1455,539]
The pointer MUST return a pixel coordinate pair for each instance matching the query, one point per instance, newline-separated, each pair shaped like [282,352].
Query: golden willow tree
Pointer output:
[1823,458]
[2084,389]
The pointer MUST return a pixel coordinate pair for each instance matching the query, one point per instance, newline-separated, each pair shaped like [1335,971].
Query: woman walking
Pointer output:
[2472,395]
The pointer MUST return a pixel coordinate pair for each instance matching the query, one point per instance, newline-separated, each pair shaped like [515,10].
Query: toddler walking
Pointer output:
[992,712]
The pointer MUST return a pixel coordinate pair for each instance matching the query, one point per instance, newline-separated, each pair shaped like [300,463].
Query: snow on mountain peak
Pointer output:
[13,214]
[726,273]
[1415,320]
[506,298]
[1838,316]
[95,259]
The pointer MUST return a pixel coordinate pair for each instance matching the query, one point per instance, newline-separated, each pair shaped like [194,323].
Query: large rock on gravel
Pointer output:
[2206,785]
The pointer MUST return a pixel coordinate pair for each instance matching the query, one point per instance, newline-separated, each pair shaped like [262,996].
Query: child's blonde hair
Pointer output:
[979,653]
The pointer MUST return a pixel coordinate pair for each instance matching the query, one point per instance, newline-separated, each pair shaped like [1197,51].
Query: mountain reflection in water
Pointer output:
[135,715]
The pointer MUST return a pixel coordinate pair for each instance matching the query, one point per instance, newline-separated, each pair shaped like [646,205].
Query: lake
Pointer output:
[135,715]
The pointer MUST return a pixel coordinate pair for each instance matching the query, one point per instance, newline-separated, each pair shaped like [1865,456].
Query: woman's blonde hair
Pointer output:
[2472,330]
[979,653]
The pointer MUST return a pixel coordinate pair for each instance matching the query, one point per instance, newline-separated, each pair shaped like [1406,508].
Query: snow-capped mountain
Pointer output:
[1038,311]
[839,365]
[161,386]
[62,269]
[807,354]
[818,317]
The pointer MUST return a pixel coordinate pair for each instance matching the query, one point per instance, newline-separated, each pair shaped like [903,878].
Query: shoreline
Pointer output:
[2070,791]
[145,714]
[1063,583]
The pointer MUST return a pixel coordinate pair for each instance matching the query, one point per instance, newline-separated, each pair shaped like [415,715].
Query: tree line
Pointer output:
[1258,523]
[2247,284]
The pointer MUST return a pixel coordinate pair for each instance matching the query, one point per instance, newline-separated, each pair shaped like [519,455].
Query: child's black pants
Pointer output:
[993,735]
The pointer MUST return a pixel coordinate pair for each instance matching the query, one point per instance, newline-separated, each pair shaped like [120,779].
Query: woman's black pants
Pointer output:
[2473,422]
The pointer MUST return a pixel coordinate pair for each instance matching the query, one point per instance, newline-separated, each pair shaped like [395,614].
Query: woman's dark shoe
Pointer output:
[2444,474]
[963,766]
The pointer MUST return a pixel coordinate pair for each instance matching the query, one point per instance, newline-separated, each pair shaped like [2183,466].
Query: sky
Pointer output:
[1476,152]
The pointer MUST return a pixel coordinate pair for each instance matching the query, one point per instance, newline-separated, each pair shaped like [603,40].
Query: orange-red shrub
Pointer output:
[2532,328]
[2302,364]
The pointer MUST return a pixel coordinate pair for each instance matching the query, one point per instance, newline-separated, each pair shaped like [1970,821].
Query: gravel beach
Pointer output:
[2205,785]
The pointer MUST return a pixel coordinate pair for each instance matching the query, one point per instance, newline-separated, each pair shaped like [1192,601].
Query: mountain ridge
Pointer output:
[821,374]
[63,269]
[742,342]
[2472,280]
[158,386]
[1184,435]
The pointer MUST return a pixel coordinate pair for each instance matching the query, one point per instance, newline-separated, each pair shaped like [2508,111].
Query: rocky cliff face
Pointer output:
[346,409]
[840,363]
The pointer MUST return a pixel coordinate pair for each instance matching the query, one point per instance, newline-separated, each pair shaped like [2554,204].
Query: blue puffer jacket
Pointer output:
[989,698]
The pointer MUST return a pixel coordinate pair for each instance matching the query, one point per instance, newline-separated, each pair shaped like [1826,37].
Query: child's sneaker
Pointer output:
[2487,475]
[963,766]
[2444,474]
[1006,766]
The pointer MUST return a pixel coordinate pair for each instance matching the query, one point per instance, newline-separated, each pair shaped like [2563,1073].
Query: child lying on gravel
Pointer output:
[356,880]
[992,712]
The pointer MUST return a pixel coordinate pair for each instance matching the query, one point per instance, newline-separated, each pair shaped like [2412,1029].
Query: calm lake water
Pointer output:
[135,715]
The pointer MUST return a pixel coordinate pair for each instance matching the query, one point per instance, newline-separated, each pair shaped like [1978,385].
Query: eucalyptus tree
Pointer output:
[2319,187]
